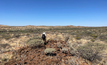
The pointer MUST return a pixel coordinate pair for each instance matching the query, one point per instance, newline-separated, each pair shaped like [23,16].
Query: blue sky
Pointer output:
[53,12]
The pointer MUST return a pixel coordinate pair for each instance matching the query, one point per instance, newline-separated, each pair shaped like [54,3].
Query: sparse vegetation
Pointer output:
[94,36]
[103,37]
[66,36]
[90,51]
[61,38]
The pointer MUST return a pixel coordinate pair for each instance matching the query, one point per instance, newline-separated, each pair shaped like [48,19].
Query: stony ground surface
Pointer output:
[36,56]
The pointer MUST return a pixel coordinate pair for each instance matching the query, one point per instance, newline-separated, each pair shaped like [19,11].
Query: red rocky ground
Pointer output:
[36,56]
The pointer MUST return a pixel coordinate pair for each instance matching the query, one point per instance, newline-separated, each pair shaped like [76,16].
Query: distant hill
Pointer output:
[32,26]
[35,27]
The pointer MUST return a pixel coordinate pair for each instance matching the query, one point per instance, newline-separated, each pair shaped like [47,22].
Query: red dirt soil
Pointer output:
[36,56]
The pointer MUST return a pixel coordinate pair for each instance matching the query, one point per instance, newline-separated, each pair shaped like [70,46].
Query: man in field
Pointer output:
[44,37]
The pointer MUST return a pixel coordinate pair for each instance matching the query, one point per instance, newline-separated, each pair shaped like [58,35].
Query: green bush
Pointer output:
[94,36]
[35,41]
[8,37]
[92,40]
[49,50]
[90,51]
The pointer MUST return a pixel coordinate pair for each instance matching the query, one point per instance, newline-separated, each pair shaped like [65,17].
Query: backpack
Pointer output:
[43,36]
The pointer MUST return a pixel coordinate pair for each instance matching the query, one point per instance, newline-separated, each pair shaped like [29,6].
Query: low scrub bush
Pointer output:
[35,41]
[49,50]
[94,36]
[92,40]
[7,37]
[74,45]
[17,36]
[90,51]
[66,37]
[72,50]
[71,47]
[103,37]
[64,50]
[78,37]
[59,45]
[4,45]
[4,59]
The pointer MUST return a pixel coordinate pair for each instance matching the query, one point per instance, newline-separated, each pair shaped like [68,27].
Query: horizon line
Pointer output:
[52,25]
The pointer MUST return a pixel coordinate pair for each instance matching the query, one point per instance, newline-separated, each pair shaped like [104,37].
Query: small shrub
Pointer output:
[66,37]
[78,37]
[59,45]
[7,37]
[74,45]
[27,34]
[71,47]
[88,32]
[68,44]
[36,37]
[64,50]
[94,36]
[90,51]
[35,41]
[49,50]
[92,40]
[4,45]
[73,52]
[17,36]
[4,59]
[103,37]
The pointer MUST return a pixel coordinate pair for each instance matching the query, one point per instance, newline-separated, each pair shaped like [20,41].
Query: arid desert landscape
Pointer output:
[65,45]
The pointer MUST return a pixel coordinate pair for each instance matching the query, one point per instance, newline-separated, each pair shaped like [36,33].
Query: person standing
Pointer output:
[44,37]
